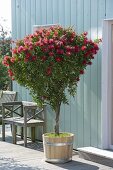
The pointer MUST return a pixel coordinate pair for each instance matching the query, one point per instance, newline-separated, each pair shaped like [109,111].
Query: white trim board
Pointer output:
[107,83]
[96,151]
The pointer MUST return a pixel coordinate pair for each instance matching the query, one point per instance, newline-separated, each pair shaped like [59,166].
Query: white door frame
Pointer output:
[107,82]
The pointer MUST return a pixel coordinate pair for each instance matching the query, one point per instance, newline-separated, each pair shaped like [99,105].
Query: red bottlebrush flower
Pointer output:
[51,47]
[10,73]
[45,50]
[34,58]
[96,47]
[12,60]
[94,51]
[52,28]
[20,49]
[73,34]
[43,58]
[51,41]
[58,44]
[14,51]
[51,54]
[83,48]
[84,62]
[85,33]
[31,47]
[77,79]
[40,31]
[68,48]
[89,63]
[35,34]
[64,41]
[86,54]
[26,43]
[60,51]
[5,61]
[28,55]
[81,71]
[48,33]
[56,33]
[71,40]
[76,49]
[85,41]
[68,53]
[72,49]
[31,36]
[91,42]
[92,57]
[58,59]
[45,41]
[61,43]
[6,57]
[39,43]
[49,71]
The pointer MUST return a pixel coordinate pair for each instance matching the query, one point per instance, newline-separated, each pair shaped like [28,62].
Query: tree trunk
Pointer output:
[57,111]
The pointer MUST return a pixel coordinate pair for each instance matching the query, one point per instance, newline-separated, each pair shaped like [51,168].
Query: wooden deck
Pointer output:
[17,157]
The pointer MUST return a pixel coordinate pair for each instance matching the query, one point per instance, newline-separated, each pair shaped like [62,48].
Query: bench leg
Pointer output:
[25,136]
[3,131]
[22,133]
[43,129]
[33,134]
[14,129]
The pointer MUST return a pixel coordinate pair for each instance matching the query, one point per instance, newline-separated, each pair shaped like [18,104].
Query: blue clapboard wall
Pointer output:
[83,116]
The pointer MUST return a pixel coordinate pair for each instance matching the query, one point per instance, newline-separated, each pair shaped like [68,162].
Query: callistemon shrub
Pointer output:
[50,61]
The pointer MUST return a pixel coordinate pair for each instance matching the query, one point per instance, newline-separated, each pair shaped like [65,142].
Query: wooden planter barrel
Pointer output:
[58,149]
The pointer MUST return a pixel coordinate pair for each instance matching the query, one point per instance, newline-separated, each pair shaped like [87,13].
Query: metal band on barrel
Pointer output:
[58,160]
[58,144]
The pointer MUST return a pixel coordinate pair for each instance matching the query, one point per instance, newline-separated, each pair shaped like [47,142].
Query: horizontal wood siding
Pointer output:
[83,114]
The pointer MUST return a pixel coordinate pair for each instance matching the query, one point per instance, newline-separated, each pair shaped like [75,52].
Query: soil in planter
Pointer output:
[53,135]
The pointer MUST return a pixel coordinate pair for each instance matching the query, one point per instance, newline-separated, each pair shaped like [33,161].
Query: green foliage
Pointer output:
[4,78]
[5,45]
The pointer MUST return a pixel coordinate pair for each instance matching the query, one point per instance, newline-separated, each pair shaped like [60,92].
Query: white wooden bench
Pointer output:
[28,117]
[6,96]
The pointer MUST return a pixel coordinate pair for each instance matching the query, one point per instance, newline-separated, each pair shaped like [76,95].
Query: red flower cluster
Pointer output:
[5,61]
[55,45]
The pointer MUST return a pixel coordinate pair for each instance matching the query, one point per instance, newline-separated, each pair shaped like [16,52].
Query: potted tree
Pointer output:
[48,62]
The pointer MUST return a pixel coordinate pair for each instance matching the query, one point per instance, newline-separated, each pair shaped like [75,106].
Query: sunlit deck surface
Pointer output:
[17,157]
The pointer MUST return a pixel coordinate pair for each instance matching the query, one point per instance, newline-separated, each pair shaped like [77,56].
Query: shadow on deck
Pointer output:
[38,145]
